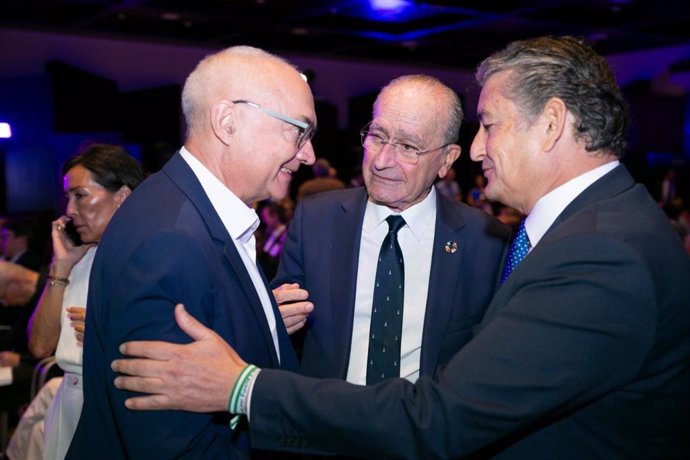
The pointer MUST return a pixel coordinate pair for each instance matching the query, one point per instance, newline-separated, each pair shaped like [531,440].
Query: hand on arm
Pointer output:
[293,305]
[196,377]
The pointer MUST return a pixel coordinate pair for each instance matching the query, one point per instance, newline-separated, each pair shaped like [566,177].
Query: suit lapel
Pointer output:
[613,183]
[445,276]
[347,232]
[181,174]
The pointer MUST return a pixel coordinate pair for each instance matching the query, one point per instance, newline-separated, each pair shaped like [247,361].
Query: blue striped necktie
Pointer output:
[518,251]
[383,359]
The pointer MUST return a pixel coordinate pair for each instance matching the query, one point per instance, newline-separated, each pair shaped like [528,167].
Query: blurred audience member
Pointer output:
[288,205]
[510,216]
[18,291]
[449,187]
[17,283]
[274,230]
[357,179]
[16,241]
[96,181]
[325,178]
[668,188]
[19,277]
[476,195]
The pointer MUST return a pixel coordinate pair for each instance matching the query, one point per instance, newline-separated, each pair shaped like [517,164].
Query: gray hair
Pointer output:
[450,97]
[566,68]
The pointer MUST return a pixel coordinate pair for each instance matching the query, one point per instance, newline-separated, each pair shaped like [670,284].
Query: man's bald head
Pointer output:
[239,71]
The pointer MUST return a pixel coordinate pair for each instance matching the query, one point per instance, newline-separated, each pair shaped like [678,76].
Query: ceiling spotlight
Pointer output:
[390,10]
[389,6]
[5,131]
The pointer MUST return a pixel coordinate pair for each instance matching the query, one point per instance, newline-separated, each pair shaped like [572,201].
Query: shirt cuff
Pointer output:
[250,390]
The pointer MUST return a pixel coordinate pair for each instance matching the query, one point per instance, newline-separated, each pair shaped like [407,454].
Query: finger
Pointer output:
[59,224]
[80,339]
[297,308]
[149,349]
[152,402]
[291,321]
[151,385]
[77,317]
[140,368]
[290,295]
[285,286]
[296,327]
[190,325]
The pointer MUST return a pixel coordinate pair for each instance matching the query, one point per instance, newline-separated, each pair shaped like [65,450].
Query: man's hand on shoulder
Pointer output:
[196,377]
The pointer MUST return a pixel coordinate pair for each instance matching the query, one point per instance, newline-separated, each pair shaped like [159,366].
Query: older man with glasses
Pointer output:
[188,236]
[445,263]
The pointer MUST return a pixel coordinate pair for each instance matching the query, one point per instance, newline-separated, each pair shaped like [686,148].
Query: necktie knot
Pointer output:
[395,223]
[518,251]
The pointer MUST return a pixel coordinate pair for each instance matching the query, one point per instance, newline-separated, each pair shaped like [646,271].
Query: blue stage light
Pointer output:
[5,131]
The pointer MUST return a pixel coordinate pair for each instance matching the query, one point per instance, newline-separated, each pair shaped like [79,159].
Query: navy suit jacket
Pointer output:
[165,245]
[583,353]
[321,253]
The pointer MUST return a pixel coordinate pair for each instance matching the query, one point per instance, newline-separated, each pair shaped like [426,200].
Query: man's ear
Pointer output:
[222,121]
[555,114]
[452,154]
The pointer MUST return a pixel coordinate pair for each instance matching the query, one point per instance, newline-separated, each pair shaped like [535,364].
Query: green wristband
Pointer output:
[239,389]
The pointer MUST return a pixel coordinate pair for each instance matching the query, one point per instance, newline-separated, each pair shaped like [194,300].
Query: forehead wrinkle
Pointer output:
[400,125]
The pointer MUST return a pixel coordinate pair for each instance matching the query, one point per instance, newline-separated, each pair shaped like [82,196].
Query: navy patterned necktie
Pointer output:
[383,360]
[518,250]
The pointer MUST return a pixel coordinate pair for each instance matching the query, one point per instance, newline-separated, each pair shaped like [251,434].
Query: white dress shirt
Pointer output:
[241,222]
[551,205]
[416,239]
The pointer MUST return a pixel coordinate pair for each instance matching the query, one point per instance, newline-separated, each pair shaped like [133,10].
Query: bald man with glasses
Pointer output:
[188,236]
[450,254]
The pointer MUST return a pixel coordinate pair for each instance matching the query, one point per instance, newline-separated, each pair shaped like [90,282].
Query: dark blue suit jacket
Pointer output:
[321,254]
[166,245]
[583,353]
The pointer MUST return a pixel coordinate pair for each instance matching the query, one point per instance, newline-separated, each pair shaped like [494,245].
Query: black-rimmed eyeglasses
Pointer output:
[374,141]
[306,129]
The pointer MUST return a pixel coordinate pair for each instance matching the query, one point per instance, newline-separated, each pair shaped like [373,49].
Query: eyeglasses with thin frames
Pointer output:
[306,129]
[407,153]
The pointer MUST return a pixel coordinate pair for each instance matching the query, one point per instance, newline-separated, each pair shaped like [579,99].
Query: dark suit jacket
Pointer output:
[321,254]
[583,353]
[166,245]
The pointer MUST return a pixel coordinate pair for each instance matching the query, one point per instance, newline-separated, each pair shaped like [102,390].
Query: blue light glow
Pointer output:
[5,131]
[391,10]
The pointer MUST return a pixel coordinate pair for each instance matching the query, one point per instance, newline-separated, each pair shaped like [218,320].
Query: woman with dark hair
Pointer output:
[96,182]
